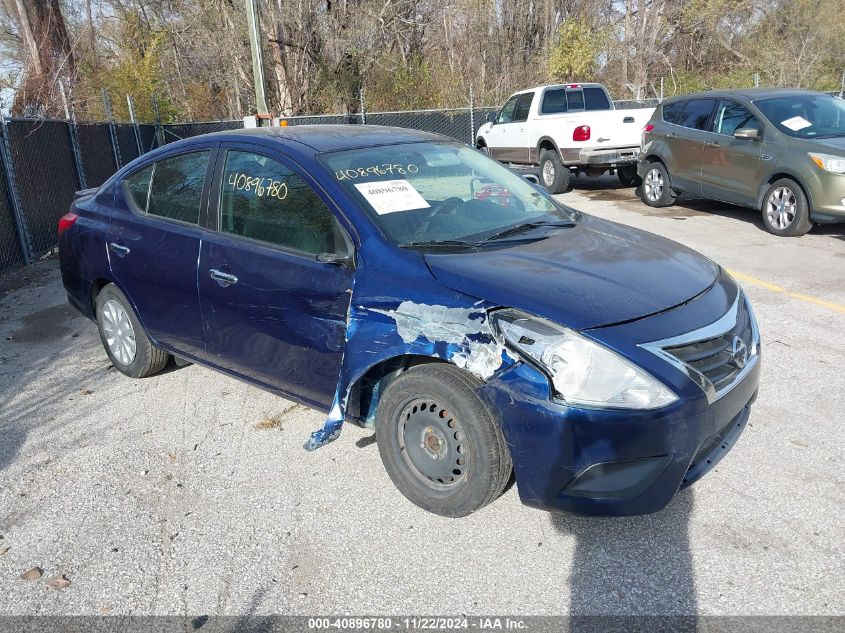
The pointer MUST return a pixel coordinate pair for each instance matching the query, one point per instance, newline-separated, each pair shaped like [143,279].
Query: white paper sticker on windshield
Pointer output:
[390,196]
[796,123]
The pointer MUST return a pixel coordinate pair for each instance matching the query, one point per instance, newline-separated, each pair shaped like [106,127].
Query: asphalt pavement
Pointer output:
[190,493]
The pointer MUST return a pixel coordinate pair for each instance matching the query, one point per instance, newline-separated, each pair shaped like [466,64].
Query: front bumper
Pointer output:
[601,156]
[623,462]
[827,197]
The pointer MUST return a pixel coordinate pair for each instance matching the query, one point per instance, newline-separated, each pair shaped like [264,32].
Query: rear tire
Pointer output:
[628,177]
[127,345]
[482,147]
[439,443]
[785,209]
[657,188]
[554,175]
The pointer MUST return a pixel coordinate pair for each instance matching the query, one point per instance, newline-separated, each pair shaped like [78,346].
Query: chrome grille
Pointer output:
[718,358]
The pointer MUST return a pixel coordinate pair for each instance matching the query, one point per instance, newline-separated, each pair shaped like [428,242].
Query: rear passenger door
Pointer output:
[685,137]
[730,168]
[272,311]
[154,242]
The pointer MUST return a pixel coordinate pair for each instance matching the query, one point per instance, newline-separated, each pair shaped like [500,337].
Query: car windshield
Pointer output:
[806,115]
[444,194]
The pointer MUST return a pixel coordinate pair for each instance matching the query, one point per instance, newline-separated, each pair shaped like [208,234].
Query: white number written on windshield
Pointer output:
[376,170]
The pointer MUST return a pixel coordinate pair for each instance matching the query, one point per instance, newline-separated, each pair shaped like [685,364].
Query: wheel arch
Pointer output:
[365,391]
[546,143]
[789,175]
[97,287]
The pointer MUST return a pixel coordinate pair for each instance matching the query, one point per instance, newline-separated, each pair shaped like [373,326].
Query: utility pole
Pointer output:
[254,27]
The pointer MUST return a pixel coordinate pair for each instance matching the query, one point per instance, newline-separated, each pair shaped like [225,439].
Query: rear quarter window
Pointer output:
[137,188]
[673,112]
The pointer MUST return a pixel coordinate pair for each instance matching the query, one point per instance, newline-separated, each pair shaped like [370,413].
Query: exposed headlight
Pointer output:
[582,371]
[835,164]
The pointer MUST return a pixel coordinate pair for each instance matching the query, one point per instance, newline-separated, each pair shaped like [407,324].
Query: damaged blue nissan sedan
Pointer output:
[404,282]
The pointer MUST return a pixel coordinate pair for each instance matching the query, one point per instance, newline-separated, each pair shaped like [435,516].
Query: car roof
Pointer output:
[748,94]
[328,138]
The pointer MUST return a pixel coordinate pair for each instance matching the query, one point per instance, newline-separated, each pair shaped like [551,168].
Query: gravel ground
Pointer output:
[189,492]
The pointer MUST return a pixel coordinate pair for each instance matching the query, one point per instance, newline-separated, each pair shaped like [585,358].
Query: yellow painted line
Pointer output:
[838,307]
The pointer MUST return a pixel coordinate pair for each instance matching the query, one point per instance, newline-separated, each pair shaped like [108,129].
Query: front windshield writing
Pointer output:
[424,192]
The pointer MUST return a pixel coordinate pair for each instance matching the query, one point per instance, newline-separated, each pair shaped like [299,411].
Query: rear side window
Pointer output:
[177,185]
[554,101]
[596,99]
[523,105]
[137,188]
[673,112]
[264,200]
[697,113]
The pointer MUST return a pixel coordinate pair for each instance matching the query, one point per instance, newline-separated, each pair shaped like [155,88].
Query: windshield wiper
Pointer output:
[451,243]
[527,226]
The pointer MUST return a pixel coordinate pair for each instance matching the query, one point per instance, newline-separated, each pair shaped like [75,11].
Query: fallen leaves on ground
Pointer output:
[5,550]
[58,582]
[33,574]
[269,423]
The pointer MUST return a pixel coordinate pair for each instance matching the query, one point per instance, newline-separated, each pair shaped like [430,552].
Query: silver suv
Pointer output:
[781,151]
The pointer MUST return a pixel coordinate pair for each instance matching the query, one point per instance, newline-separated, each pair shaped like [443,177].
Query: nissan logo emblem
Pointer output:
[739,353]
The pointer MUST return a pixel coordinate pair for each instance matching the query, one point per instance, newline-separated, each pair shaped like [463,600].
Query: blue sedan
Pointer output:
[400,281]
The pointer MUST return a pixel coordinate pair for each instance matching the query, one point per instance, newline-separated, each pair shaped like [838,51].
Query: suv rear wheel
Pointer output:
[438,441]
[785,209]
[657,190]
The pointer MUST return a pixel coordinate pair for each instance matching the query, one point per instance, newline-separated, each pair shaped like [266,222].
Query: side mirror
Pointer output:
[747,132]
[491,117]
[337,259]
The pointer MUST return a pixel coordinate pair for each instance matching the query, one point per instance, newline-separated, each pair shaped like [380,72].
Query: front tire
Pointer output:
[127,345]
[657,188]
[554,175]
[785,209]
[439,443]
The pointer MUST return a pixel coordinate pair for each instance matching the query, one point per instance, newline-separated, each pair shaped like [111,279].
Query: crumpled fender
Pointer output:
[429,320]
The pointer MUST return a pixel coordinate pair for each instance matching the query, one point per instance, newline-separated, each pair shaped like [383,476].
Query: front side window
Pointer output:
[264,200]
[176,187]
[424,193]
[697,113]
[732,116]
[523,105]
[506,113]
[808,115]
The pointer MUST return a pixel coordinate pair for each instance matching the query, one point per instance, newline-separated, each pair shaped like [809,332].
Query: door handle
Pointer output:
[224,279]
[712,144]
[117,249]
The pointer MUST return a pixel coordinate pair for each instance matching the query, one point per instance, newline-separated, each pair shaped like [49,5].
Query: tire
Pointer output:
[657,188]
[554,176]
[785,210]
[628,177]
[114,315]
[436,405]
[482,147]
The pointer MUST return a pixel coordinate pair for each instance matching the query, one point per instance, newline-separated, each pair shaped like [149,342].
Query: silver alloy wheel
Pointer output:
[653,184]
[120,335]
[548,173]
[781,207]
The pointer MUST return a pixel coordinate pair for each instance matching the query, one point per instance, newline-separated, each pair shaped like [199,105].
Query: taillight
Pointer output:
[648,127]
[67,221]
[581,133]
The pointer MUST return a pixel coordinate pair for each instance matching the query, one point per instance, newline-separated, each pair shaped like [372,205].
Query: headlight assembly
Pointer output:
[582,371]
[827,162]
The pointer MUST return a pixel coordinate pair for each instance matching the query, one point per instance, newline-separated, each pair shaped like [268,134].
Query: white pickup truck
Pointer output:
[566,128]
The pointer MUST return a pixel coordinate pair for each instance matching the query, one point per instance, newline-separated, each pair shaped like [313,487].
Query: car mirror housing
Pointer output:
[491,117]
[747,132]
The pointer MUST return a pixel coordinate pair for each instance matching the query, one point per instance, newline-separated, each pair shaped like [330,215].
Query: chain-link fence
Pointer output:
[45,162]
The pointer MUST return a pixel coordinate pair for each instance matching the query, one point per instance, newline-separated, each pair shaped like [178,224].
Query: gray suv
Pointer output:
[781,151]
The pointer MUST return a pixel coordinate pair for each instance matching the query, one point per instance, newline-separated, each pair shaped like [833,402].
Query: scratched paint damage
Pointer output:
[458,334]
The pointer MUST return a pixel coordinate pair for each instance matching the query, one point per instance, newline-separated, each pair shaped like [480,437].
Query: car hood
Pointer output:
[834,145]
[595,273]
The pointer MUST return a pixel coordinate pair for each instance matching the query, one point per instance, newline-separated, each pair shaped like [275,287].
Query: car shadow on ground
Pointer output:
[631,566]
